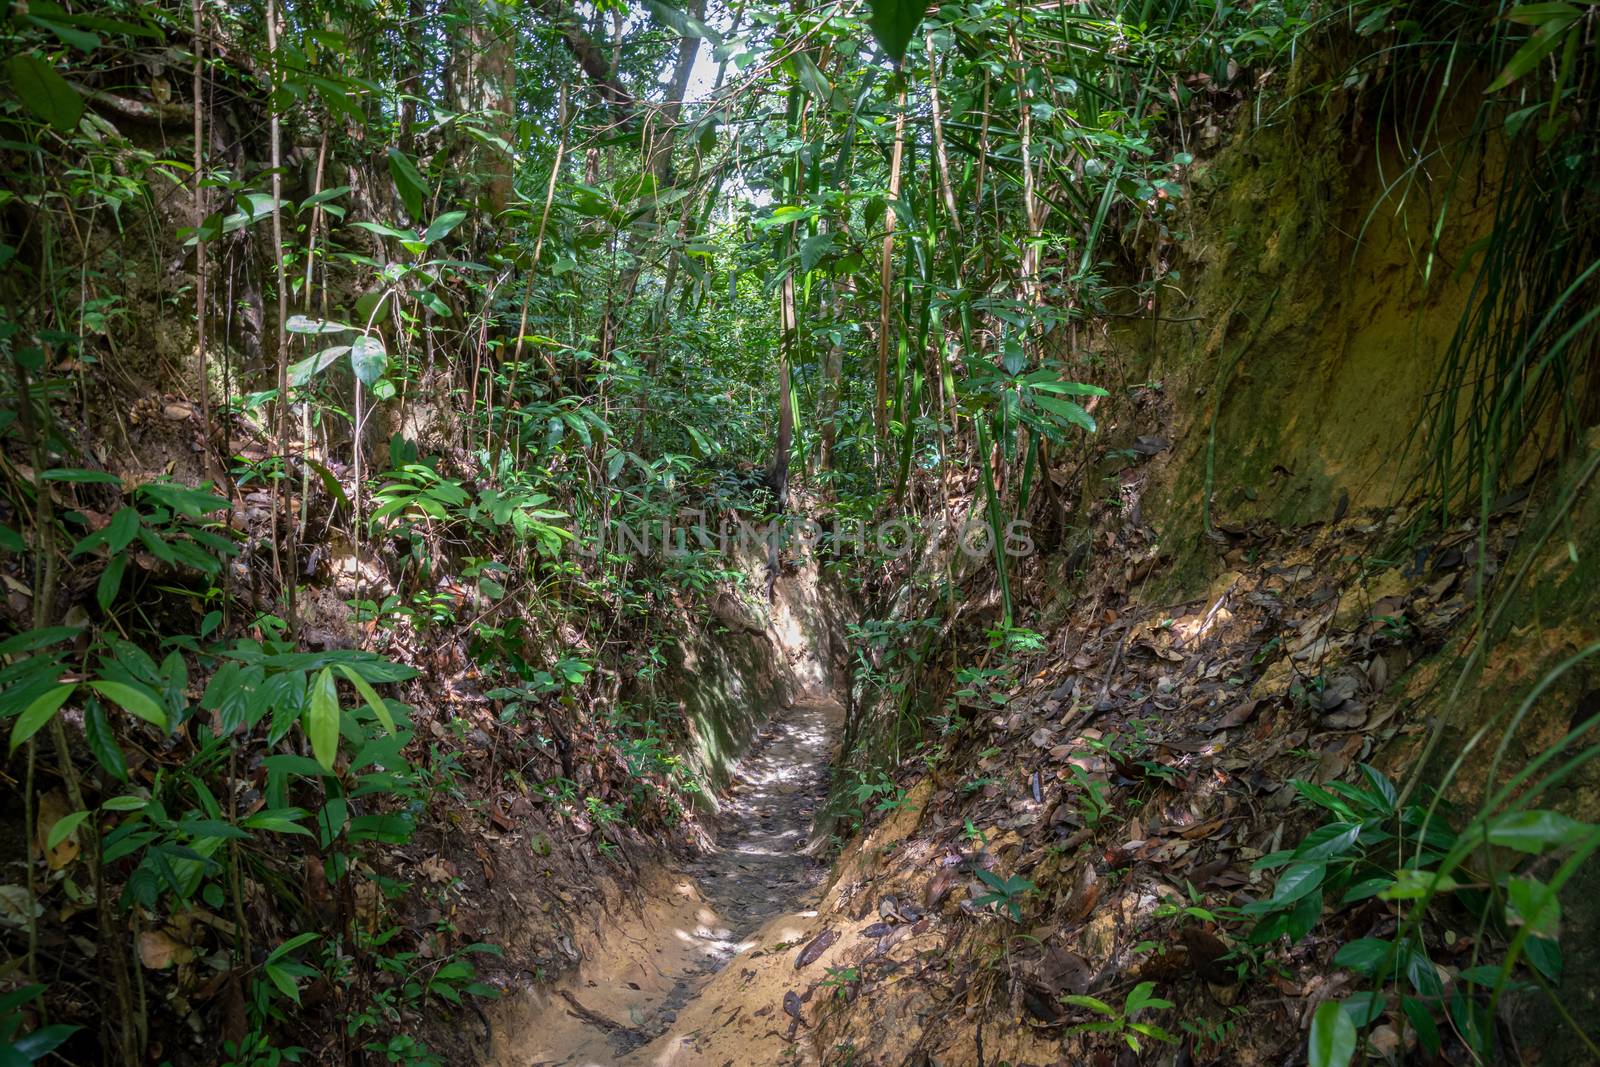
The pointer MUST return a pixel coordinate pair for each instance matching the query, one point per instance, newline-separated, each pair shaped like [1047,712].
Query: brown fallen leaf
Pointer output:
[939,887]
[1085,894]
[815,949]
[53,807]
[159,950]
[1238,715]
[1205,951]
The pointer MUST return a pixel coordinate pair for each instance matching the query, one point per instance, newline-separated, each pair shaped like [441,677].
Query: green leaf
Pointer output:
[308,368]
[82,40]
[134,700]
[1535,831]
[1067,411]
[290,945]
[440,227]
[38,1044]
[812,249]
[103,743]
[63,827]
[1141,997]
[306,324]
[1066,388]
[283,980]
[370,695]
[1078,1000]
[1366,1007]
[1333,1036]
[1364,955]
[322,719]
[79,475]
[105,590]
[1297,880]
[368,359]
[1546,39]
[122,529]
[1332,839]
[408,181]
[33,640]
[1531,903]
[279,821]
[1414,885]
[894,23]
[36,714]
[684,24]
[408,237]
[44,92]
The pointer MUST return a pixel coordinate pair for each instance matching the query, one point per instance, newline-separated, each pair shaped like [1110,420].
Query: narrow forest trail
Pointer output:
[648,961]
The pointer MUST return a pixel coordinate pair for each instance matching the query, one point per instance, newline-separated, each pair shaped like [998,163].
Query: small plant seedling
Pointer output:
[1124,1021]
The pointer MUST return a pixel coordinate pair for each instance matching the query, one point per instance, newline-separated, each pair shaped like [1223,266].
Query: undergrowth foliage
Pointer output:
[332,331]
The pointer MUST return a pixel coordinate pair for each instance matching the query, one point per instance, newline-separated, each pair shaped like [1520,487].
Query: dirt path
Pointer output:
[644,966]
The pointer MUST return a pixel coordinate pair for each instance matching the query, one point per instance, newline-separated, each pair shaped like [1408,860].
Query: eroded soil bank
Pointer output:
[637,996]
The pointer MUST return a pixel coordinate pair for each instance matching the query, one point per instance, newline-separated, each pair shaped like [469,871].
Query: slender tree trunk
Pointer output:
[886,276]
[289,571]
[482,79]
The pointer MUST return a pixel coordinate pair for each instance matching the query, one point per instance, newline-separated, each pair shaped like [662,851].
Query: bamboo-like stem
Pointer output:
[946,190]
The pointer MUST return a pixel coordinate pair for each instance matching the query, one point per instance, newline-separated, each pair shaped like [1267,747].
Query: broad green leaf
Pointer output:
[1067,388]
[1366,1007]
[408,237]
[1531,903]
[103,743]
[1414,885]
[368,359]
[79,475]
[106,589]
[122,529]
[1546,39]
[1297,880]
[308,368]
[33,640]
[305,324]
[684,24]
[63,828]
[1332,839]
[1364,955]
[812,249]
[279,821]
[290,945]
[1333,1036]
[1079,1000]
[408,181]
[36,714]
[322,719]
[894,23]
[82,40]
[44,92]
[283,980]
[440,227]
[1539,14]
[132,700]
[1067,411]
[1535,831]
[370,695]
[37,1044]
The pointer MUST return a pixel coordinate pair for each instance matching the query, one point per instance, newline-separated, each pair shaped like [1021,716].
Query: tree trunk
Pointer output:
[481,78]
